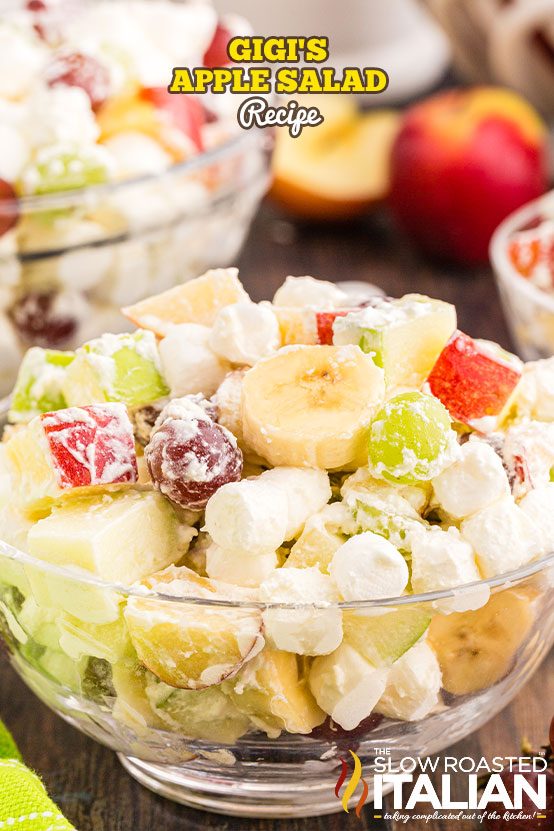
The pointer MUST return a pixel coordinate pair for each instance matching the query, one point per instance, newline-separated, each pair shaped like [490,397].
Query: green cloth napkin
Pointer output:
[24,804]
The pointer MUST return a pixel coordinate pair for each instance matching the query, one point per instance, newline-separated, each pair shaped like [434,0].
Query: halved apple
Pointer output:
[339,168]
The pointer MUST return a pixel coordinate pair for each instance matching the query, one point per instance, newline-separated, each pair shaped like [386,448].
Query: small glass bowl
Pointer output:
[529,310]
[74,258]
[68,639]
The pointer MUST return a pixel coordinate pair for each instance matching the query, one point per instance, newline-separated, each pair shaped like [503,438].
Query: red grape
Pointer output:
[528,807]
[145,417]
[74,69]
[346,739]
[189,456]
[40,319]
[216,53]
[9,211]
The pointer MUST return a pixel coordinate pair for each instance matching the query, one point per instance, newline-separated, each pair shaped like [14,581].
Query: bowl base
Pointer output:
[237,797]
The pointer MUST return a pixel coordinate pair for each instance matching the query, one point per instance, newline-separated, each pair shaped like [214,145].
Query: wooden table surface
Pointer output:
[86,779]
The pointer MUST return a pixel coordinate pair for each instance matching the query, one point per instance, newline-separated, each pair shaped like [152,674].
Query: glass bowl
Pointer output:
[76,257]
[529,310]
[256,744]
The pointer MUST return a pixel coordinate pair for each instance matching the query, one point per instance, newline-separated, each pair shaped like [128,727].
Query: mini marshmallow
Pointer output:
[503,537]
[307,291]
[249,516]
[245,332]
[535,392]
[443,560]
[279,502]
[308,631]
[538,505]
[472,483]
[228,399]
[413,685]
[528,453]
[346,686]
[136,154]
[189,364]
[239,570]
[369,567]
[307,491]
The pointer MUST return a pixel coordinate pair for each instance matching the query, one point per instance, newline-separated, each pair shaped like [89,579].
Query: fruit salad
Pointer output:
[273,483]
[110,187]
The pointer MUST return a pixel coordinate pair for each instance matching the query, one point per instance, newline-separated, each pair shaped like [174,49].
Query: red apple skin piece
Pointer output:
[324,323]
[216,53]
[527,255]
[9,211]
[470,383]
[185,111]
[91,445]
[462,161]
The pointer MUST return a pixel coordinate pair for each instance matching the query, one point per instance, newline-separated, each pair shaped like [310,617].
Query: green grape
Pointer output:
[55,170]
[411,439]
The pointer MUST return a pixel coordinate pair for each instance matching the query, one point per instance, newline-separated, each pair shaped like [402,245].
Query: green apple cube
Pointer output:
[88,603]
[124,367]
[39,623]
[197,714]
[38,388]
[61,669]
[108,641]
[404,336]
[119,538]
[383,638]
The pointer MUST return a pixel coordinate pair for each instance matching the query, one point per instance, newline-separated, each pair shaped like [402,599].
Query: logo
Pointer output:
[263,68]
[417,784]
[353,783]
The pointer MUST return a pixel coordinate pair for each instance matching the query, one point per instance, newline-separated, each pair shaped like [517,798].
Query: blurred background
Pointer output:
[112,190]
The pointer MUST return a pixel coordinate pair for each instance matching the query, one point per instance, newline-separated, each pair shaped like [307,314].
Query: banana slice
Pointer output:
[310,406]
[477,649]
[192,646]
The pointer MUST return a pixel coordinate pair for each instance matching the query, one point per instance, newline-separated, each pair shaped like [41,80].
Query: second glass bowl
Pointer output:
[74,258]
[529,309]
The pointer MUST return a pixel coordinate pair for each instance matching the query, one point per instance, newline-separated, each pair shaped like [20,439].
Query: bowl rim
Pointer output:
[82,577]
[498,250]
[237,141]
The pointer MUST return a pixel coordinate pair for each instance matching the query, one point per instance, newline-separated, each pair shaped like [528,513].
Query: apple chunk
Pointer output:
[194,645]
[197,301]
[274,694]
[77,447]
[38,388]
[405,336]
[474,380]
[338,170]
[120,538]
[123,367]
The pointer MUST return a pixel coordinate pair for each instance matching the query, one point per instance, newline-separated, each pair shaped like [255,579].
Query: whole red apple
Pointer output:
[462,161]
